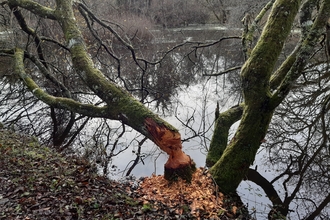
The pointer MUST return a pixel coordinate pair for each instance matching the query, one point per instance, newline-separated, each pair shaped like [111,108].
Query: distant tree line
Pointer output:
[167,13]
[175,13]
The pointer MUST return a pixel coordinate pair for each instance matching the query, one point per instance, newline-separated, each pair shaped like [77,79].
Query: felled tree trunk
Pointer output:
[178,164]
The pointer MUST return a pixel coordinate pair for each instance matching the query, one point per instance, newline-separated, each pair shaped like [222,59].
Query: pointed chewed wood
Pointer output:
[178,164]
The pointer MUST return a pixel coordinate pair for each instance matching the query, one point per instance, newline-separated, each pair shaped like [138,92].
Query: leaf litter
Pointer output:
[36,182]
[200,197]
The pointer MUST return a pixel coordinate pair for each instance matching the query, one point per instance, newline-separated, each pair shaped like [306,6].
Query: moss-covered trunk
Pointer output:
[234,162]
[259,102]
[236,159]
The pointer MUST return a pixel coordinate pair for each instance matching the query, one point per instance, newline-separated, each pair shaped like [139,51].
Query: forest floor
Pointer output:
[37,182]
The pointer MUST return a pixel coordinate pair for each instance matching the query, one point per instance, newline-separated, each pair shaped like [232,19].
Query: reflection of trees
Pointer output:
[298,145]
[173,13]
[232,12]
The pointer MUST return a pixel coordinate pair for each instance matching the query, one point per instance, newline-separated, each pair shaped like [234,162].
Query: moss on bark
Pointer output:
[259,67]
[234,163]
[236,159]
[34,7]
[219,139]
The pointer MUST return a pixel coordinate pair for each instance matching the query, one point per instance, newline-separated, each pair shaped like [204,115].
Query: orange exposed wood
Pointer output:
[170,142]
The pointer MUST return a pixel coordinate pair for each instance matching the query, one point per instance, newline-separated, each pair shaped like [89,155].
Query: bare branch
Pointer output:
[58,102]
[43,38]
[34,7]
[257,178]
[319,208]
[138,157]
[127,44]
[225,71]
[48,75]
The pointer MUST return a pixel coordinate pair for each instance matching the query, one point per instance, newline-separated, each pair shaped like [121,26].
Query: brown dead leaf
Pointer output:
[234,209]
[201,194]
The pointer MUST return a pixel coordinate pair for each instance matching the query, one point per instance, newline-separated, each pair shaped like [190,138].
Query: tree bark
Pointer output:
[219,139]
[258,84]
[234,163]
